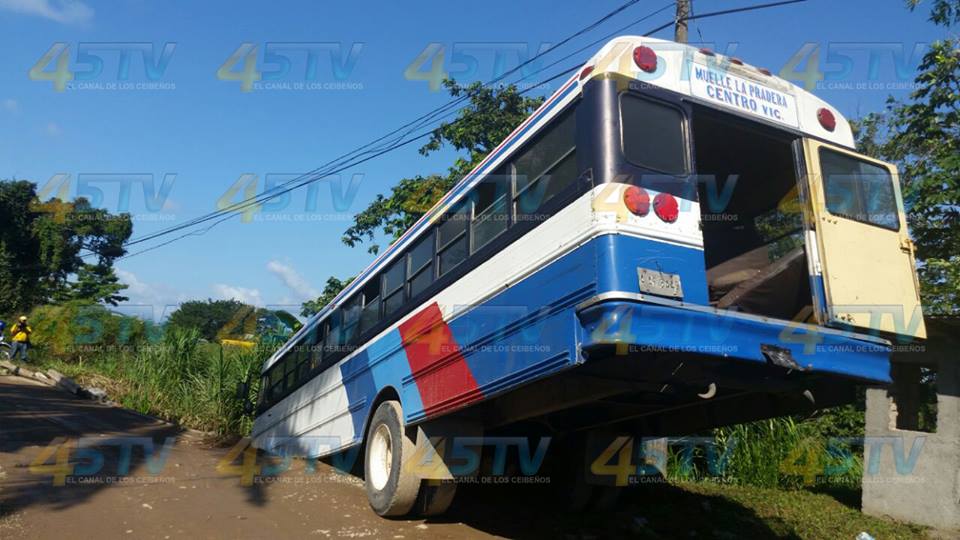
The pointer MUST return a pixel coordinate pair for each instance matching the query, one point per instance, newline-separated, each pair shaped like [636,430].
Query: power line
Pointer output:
[290,188]
[416,123]
[352,158]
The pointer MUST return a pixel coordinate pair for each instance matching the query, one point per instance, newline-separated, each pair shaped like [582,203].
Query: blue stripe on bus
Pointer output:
[391,366]
[532,329]
[526,331]
[361,389]
[383,363]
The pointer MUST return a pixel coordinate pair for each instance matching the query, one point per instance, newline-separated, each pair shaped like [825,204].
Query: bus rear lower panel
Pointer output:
[671,370]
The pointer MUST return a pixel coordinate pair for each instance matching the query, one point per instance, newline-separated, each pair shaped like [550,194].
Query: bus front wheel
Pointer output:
[392,488]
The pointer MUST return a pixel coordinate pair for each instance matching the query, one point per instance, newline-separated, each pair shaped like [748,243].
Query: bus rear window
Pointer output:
[858,190]
[652,135]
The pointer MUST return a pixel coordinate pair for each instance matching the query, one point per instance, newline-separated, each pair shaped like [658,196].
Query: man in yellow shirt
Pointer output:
[21,339]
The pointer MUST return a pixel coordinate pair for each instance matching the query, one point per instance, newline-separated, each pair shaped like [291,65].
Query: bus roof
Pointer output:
[715,80]
[723,82]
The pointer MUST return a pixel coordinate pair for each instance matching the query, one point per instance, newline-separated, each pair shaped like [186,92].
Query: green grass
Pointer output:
[713,510]
[181,378]
[778,452]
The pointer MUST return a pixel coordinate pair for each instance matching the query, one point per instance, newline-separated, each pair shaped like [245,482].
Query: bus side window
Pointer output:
[547,167]
[303,354]
[264,389]
[334,340]
[393,287]
[351,318]
[290,368]
[452,239]
[276,381]
[490,211]
[316,354]
[371,305]
[421,265]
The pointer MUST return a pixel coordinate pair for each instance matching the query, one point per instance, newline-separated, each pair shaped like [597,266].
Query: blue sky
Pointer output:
[179,121]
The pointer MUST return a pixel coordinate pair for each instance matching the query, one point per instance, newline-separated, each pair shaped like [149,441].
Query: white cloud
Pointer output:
[148,301]
[11,105]
[293,280]
[53,129]
[243,294]
[62,11]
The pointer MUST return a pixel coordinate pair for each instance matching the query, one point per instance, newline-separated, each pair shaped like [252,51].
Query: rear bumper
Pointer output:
[649,324]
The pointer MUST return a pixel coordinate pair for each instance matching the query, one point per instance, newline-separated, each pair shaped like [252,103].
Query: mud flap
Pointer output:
[448,448]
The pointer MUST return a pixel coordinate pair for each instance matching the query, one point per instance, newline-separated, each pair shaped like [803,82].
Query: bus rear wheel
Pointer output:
[392,487]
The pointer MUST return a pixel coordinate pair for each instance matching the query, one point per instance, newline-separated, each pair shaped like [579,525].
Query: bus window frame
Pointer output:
[688,166]
[890,179]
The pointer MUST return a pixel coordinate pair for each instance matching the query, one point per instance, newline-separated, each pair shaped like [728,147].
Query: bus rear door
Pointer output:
[865,253]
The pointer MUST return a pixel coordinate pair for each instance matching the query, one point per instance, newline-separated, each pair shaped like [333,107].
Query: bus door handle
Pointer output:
[906,246]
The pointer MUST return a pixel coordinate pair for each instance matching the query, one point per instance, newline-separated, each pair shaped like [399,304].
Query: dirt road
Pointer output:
[181,496]
[71,468]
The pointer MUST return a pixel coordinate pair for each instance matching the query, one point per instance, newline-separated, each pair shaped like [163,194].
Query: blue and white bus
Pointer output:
[674,240]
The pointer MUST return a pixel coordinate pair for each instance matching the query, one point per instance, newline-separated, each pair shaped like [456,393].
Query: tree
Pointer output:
[922,136]
[207,317]
[491,114]
[943,12]
[330,291]
[231,319]
[57,250]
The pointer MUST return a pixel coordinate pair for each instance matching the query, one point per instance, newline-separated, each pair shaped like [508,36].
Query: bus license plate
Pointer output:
[659,283]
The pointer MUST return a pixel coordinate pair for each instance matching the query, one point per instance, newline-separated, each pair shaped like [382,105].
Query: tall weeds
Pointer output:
[181,378]
[779,452]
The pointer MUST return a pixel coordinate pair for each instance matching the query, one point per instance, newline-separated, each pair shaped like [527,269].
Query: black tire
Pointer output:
[435,499]
[392,487]
[4,351]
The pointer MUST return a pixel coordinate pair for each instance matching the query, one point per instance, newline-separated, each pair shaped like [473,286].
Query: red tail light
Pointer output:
[707,52]
[826,118]
[666,207]
[586,72]
[645,59]
[637,200]
[765,71]
[735,60]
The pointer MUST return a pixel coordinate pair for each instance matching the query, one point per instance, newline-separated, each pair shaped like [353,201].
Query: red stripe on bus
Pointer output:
[442,375]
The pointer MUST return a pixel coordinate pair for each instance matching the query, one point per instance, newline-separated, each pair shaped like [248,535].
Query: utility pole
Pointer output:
[680,24]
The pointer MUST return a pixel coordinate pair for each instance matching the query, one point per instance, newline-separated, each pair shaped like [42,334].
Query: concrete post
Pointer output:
[912,475]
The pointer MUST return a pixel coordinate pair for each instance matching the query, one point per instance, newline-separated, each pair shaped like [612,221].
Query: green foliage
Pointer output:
[208,317]
[330,291]
[490,115]
[943,12]
[780,452]
[231,319]
[922,136]
[394,214]
[178,377]
[42,245]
